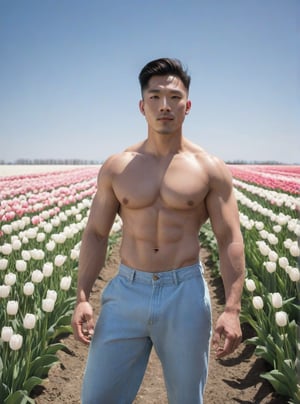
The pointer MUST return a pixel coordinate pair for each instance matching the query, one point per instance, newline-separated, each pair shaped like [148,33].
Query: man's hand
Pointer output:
[83,322]
[227,335]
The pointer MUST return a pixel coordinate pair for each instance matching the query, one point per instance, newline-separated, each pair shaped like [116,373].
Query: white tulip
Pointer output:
[272,239]
[294,250]
[282,219]
[48,305]
[288,243]
[250,285]
[277,228]
[276,300]
[10,279]
[62,216]
[6,333]
[4,291]
[21,265]
[258,302]
[37,276]
[59,260]
[78,217]
[37,254]
[25,220]
[281,318]
[6,249]
[29,321]
[55,222]
[273,256]
[259,226]
[17,225]
[270,266]
[294,274]
[12,307]
[74,254]
[31,233]
[16,245]
[7,229]
[25,240]
[65,283]
[48,228]
[51,294]
[283,262]
[3,264]
[50,245]
[26,255]
[59,238]
[45,215]
[263,248]
[47,269]
[15,342]
[292,224]
[28,289]
[40,237]
[263,234]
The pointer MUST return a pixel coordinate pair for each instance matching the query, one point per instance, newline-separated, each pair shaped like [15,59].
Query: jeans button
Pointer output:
[155,277]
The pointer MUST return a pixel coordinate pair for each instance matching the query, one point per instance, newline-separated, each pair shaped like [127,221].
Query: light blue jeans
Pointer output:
[168,310]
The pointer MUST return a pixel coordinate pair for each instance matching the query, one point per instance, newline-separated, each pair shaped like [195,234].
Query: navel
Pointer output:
[156,249]
[190,203]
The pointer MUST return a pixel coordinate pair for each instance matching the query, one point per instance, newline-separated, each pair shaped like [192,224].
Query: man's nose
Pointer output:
[164,104]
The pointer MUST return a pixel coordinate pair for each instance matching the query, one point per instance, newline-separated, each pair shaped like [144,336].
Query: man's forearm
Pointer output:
[232,266]
[92,259]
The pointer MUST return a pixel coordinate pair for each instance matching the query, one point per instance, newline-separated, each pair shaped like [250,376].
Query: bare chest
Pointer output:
[178,185]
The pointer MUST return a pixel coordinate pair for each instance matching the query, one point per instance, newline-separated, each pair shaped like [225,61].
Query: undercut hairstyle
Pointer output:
[162,67]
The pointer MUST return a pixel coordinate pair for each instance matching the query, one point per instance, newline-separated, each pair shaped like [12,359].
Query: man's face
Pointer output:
[165,104]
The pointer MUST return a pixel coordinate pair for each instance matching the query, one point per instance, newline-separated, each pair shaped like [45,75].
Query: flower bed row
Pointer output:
[39,250]
[271,305]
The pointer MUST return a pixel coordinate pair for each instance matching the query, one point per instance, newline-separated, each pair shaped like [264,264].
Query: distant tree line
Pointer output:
[50,162]
[91,162]
[264,162]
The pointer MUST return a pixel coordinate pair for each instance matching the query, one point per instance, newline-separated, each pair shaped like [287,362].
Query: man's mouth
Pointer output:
[165,118]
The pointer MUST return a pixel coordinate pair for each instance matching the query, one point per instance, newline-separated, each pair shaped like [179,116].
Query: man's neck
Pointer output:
[163,145]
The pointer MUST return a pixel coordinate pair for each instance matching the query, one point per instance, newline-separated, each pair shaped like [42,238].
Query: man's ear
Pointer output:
[188,107]
[141,106]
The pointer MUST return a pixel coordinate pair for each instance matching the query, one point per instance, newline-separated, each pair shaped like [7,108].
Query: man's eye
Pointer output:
[176,97]
[154,97]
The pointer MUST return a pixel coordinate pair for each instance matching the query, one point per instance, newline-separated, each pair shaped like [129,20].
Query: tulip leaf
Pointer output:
[4,390]
[18,397]
[279,381]
[31,383]
[64,329]
[40,365]
[53,348]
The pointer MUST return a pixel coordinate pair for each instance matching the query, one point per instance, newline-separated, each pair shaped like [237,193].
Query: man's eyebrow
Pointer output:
[157,90]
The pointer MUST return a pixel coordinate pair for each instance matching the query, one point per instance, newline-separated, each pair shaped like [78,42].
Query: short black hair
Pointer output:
[161,67]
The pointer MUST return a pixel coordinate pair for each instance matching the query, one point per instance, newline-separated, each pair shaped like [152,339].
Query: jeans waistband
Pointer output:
[174,276]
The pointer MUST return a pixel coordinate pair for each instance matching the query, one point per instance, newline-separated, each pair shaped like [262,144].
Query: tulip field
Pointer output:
[42,217]
[268,199]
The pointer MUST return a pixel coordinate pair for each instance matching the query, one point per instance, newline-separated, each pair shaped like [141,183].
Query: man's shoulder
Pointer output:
[116,162]
[214,166]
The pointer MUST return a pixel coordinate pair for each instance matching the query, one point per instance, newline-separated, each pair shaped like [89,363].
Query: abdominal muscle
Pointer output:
[159,240]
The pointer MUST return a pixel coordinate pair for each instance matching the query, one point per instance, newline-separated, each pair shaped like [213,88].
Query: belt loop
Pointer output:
[132,275]
[175,277]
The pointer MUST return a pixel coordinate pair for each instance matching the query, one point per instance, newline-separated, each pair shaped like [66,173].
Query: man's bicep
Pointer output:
[104,208]
[223,212]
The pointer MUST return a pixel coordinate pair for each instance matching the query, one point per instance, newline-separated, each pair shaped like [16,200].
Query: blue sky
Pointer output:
[69,87]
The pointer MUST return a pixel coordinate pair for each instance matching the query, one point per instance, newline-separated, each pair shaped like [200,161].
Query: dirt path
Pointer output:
[232,380]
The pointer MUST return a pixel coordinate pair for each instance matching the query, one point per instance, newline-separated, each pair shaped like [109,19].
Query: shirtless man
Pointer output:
[164,189]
